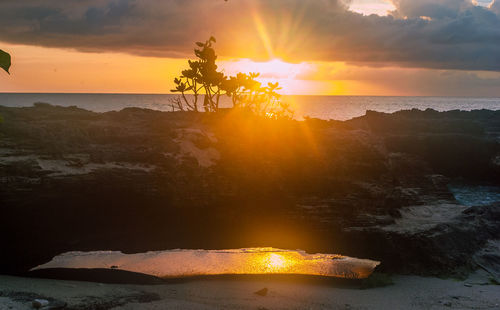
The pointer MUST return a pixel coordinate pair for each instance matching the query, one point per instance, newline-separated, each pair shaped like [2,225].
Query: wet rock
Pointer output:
[39,303]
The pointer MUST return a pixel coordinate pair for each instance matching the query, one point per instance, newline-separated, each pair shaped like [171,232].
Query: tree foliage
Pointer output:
[4,64]
[5,61]
[202,79]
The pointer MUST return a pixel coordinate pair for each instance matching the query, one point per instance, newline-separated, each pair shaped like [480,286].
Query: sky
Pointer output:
[314,47]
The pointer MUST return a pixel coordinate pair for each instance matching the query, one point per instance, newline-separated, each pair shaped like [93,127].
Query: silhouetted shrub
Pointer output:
[4,64]
[203,79]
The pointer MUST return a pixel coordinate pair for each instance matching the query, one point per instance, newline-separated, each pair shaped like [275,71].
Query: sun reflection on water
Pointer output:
[185,263]
[276,261]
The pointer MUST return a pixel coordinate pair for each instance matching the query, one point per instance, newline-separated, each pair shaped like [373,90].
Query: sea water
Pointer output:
[186,263]
[323,107]
[470,194]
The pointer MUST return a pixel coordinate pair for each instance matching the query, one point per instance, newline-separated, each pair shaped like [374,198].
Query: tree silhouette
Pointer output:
[4,64]
[203,79]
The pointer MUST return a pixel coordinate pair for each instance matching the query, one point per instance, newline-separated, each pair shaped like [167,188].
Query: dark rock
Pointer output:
[377,280]
[110,276]
[263,292]
[320,186]
[435,246]
[36,301]
[39,303]
[488,259]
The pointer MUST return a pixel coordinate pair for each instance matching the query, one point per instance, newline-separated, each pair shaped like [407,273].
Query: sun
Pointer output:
[275,262]
[274,70]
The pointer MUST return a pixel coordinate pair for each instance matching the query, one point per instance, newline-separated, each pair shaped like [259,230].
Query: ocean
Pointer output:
[323,107]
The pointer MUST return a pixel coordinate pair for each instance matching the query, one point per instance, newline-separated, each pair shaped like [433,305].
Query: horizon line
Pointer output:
[286,95]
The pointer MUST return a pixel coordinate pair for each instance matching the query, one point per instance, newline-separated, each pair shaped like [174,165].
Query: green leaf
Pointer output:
[5,61]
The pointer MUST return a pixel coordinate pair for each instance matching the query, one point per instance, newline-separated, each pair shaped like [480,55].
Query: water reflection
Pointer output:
[185,263]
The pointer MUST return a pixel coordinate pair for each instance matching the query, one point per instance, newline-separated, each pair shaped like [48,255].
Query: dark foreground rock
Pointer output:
[22,300]
[435,240]
[140,180]
[109,276]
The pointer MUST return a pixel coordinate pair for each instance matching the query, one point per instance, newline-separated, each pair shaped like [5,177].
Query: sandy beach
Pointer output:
[407,292]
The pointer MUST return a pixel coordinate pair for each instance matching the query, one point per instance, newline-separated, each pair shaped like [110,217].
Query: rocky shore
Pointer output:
[137,180]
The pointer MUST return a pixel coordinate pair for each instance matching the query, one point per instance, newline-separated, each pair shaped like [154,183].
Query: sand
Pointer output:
[408,292]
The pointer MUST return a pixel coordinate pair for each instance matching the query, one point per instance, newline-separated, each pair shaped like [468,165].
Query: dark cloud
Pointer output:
[458,35]
[430,8]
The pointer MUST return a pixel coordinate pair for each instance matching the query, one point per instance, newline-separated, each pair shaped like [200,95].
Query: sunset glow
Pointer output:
[365,55]
[275,68]
[287,74]
[240,154]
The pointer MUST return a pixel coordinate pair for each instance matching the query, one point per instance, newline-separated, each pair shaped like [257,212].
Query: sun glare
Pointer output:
[276,261]
[275,70]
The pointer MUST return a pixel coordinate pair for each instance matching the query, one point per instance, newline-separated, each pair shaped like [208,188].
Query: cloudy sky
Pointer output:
[341,47]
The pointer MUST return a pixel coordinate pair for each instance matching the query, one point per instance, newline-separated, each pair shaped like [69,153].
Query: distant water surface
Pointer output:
[324,107]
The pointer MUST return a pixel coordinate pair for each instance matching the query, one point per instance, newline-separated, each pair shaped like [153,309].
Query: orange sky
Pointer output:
[43,69]
[40,69]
